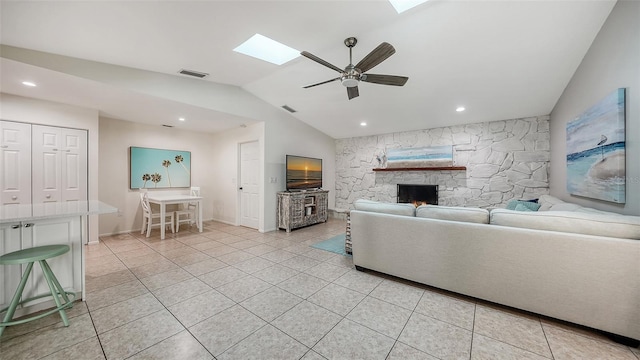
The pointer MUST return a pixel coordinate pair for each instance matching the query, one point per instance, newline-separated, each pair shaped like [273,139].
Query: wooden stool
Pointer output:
[29,256]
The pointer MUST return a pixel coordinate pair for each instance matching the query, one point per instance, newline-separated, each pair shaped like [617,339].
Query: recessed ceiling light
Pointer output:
[181,119]
[460,109]
[363,124]
[404,5]
[28,83]
[264,48]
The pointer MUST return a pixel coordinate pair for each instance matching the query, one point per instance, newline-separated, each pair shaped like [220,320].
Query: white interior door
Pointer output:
[249,180]
[15,163]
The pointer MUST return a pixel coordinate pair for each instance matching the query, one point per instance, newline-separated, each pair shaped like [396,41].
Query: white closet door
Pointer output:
[59,165]
[15,163]
[46,164]
[74,165]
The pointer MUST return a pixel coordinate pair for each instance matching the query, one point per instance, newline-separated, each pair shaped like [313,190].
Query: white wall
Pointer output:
[18,108]
[612,62]
[116,136]
[226,164]
[279,135]
[287,135]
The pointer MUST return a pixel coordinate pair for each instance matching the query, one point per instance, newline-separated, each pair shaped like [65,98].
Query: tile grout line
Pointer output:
[96,330]
[546,339]
[473,328]
[405,326]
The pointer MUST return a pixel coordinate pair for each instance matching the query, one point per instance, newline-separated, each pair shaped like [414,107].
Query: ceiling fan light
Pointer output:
[349,81]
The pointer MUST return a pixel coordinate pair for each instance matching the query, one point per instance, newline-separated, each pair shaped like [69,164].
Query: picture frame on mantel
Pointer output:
[159,168]
[596,150]
[432,156]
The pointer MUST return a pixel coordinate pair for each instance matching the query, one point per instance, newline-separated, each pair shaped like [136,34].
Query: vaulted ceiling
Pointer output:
[499,59]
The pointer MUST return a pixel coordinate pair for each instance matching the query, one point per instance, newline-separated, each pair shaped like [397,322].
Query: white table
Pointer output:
[164,199]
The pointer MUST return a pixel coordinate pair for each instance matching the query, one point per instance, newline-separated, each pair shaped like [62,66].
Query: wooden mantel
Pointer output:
[435,168]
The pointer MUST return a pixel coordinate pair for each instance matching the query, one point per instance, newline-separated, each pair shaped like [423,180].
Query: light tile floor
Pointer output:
[234,293]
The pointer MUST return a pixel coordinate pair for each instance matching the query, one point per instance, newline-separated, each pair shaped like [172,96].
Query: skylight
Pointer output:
[264,48]
[404,5]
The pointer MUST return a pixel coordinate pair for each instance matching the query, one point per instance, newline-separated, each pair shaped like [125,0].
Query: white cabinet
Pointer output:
[15,163]
[10,240]
[27,234]
[41,165]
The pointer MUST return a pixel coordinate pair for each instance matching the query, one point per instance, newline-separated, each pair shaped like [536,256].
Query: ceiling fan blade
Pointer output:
[384,79]
[352,92]
[320,83]
[375,57]
[320,61]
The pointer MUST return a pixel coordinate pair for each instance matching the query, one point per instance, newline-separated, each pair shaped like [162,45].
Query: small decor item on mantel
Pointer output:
[433,156]
[382,160]
[596,150]
[151,168]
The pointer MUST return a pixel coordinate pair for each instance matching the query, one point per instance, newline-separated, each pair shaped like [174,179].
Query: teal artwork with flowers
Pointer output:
[159,168]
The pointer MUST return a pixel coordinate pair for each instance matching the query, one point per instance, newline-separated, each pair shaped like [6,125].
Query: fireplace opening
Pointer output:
[418,194]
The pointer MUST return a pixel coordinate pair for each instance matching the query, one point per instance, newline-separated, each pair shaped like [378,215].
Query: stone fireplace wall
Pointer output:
[506,159]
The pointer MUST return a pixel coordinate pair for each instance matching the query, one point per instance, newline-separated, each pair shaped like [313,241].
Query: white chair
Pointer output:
[190,213]
[148,216]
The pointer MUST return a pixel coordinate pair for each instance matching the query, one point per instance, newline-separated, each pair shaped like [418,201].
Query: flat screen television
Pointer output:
[303,173]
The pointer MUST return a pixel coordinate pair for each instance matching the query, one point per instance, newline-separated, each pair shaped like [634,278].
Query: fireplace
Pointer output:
[418,194]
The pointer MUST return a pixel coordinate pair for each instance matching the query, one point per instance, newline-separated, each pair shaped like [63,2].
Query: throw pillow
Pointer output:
[511,205]
[521,207]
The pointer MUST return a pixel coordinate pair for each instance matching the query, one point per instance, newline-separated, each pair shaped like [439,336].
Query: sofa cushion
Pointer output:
[531,206]
[453,213]
[565,207]
[619,226]
[547,201]
[385,208]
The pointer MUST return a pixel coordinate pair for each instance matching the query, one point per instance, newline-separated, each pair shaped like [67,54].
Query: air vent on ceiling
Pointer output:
[193,73]
[288,108]
[169,126]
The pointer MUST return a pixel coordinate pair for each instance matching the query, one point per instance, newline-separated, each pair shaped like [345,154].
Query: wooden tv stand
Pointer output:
[302,208]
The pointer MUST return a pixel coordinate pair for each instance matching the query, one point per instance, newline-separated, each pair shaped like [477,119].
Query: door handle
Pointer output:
[15,226]
[240,188]
[28,225]
[14,198]
[48,196]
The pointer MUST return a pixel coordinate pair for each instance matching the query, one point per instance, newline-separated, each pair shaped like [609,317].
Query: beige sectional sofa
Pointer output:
[564,261]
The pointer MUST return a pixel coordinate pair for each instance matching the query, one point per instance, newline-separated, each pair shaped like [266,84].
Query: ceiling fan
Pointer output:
[353,74]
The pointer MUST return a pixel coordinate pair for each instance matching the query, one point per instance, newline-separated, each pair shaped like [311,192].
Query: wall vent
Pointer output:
[193,73]
[288,108]
[169,126]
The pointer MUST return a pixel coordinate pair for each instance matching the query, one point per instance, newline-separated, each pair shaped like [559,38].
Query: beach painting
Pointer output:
[159,168]
[596,150]
[433,156]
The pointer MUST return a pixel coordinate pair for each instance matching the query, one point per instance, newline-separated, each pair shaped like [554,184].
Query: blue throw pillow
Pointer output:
[512,205]
[521,207]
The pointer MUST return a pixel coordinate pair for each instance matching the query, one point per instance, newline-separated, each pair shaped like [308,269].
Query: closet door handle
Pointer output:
[14,198]
[15,226]
[48,196]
